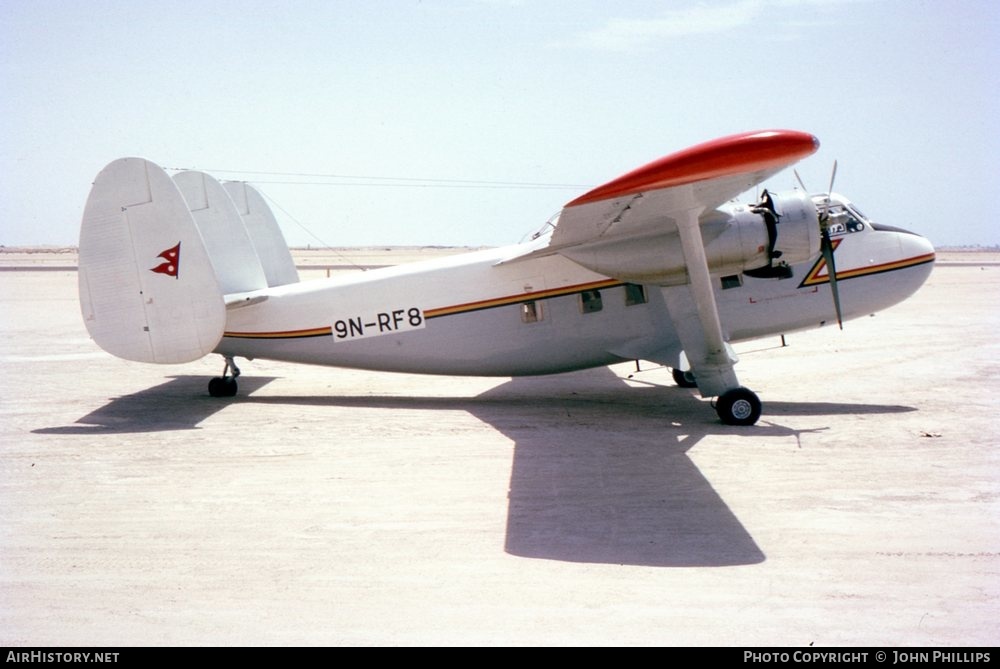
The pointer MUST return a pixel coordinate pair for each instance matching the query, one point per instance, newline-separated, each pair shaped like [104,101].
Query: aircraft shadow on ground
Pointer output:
[179,404]
[601,475]
[600,472]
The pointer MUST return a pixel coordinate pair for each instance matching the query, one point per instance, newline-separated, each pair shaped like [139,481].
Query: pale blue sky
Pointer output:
[903,93]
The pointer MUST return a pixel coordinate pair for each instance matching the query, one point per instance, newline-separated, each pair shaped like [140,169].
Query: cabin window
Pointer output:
[590,301]
[731,281]
[635,294]
[531,312]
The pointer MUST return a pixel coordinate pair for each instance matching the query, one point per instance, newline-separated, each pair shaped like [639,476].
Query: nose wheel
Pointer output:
[739,406]
[225,385]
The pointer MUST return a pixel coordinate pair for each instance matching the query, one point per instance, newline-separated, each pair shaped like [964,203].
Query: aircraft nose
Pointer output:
[913,248]
[916,247]
[917,258]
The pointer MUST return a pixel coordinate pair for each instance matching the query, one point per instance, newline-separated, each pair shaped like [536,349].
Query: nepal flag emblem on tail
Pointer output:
[172,258]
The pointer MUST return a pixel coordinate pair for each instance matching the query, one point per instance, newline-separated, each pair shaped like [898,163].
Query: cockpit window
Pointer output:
[844,221]
[857,212]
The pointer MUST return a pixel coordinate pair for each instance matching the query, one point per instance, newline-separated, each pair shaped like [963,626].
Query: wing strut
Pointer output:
[695,316]
[700,331]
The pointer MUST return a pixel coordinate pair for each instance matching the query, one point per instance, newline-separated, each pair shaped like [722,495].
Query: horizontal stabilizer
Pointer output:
[148,291]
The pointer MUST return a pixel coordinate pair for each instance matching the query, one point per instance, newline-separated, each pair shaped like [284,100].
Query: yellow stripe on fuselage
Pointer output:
[520,298]
[290,334]
[814,278]
[445,311]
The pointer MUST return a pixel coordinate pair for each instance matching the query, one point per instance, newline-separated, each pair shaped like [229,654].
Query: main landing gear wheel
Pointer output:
[683,379]
[739,406]
[225,385]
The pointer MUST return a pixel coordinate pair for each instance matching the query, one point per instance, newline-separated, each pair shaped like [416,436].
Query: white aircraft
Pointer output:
[657,265]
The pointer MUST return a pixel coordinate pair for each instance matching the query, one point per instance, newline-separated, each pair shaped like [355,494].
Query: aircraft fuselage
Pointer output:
[483,315]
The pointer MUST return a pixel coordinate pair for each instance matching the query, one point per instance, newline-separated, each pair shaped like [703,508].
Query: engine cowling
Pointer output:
[738,238]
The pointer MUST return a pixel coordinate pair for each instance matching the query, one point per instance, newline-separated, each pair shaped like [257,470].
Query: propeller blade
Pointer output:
[826,246]
[799,179]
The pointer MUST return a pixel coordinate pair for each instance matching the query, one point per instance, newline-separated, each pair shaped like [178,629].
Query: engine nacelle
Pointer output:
[738,238]
[797,229]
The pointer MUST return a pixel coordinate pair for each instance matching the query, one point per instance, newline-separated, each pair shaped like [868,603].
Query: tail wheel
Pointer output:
[739,406]
[225,385]
[222,387]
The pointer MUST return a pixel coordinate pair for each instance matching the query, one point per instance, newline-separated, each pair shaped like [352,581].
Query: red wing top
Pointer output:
[699,178]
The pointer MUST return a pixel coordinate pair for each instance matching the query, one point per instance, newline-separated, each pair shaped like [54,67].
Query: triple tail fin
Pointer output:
[160,259]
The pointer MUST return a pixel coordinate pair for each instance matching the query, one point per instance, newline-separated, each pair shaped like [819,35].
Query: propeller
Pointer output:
[826,244]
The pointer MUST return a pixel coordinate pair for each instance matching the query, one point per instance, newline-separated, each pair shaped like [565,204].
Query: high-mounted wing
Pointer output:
[647,200]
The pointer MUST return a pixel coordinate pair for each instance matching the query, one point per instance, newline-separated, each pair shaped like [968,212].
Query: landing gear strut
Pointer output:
[225,385]
[739,406]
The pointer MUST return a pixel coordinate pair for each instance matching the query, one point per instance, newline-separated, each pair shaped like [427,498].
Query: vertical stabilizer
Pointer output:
[147,288]
[229,247]
[272,249]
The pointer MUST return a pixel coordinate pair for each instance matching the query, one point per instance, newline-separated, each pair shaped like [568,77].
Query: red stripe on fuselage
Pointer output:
[814,278]
[519,298]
